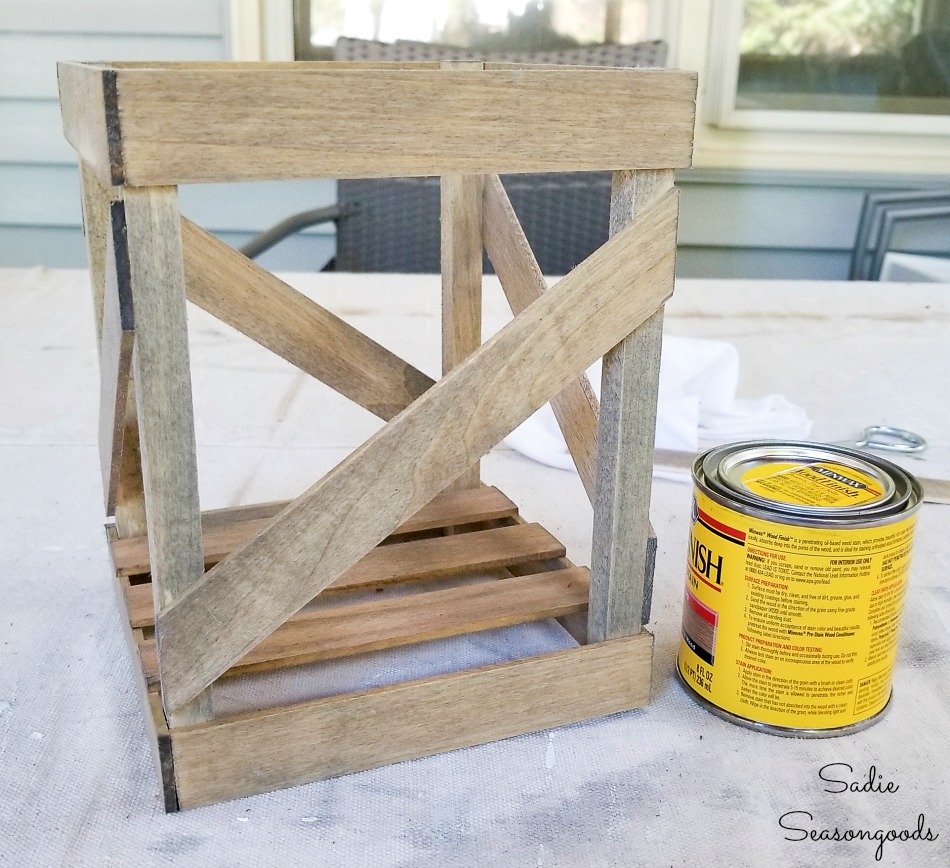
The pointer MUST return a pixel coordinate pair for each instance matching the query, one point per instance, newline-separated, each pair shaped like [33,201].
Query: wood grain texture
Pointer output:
[165,413]
[225,530]
[245,296]
[935,490]
[629,384]
[575,408]
[484,503]
[189,124]
[129,503]
[156,726]
[418,560]
[97,225]
[257,752]
[88,115]
[213,518]
[115,357]
[130,516]
[461,242]
[576,623]
[398,470]
[398,621]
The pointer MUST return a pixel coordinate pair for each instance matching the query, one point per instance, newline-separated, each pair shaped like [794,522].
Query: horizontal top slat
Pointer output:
[191,122]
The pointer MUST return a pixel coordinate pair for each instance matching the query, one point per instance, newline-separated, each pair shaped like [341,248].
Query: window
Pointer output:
[487,25]
[872,65]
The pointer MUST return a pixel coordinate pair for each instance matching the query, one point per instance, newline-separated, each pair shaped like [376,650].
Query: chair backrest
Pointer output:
[651,53]
[394,222]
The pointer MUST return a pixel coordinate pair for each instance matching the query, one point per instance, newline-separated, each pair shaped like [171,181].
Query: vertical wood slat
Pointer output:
[102,205]
[626,437]
[130,517]
[164,403]
[461,206]
[129,505]
[96,199]
[115,358]
[461,251]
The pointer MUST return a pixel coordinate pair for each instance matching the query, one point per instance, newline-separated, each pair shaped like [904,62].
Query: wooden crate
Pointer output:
[214,594]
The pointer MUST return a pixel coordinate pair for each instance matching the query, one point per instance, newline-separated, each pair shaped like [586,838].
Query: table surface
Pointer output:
[669,784]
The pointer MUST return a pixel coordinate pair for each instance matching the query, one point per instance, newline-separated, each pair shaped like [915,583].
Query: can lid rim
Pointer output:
[724,468]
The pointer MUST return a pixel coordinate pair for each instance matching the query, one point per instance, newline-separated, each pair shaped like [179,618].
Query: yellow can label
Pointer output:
[792,626]
[823,483]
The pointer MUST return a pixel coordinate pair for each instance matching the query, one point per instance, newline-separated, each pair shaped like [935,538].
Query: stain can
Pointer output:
[797,569]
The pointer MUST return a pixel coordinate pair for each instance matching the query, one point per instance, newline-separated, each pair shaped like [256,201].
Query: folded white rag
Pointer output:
[697,406]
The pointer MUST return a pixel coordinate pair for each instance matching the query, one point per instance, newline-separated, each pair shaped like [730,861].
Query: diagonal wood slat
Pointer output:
[332,525]
[232,288]
[575,407]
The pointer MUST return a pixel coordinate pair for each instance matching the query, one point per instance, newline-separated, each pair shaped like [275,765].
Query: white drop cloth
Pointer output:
[666,785]
[697,406]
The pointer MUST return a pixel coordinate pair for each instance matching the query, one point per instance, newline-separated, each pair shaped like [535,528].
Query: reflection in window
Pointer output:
[487,25]
[846,55]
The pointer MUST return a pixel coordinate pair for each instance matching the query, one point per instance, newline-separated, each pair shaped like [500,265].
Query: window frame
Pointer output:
[721,110]
[699,31]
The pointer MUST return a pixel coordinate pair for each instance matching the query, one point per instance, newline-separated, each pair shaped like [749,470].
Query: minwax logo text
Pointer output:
[824,471]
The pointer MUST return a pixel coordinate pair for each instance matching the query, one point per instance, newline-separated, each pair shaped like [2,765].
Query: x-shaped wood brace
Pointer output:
[434,433]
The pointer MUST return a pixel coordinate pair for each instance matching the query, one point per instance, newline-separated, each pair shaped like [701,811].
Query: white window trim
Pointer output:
[261,30]
[721,109]
[701,34]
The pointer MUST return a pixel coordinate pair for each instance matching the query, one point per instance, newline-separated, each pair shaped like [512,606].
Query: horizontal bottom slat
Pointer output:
[283,747]
[313,636]
[438,557]
[225,530]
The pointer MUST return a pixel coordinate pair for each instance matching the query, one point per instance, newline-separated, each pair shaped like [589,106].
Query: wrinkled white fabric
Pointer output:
[697,406]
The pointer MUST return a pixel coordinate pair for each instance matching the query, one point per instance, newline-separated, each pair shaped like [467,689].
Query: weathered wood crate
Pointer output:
[209,595]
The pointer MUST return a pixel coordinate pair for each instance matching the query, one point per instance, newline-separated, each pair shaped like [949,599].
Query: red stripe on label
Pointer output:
[704,580]
[729,531]
[707,614]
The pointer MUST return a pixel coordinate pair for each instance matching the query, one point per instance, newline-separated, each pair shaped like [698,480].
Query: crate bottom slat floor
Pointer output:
[466,563]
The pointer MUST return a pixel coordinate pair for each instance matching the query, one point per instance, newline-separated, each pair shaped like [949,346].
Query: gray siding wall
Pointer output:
[40,210]
[787,224]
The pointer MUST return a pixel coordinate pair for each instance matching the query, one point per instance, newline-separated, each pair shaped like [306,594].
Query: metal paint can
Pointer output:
[797,569]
